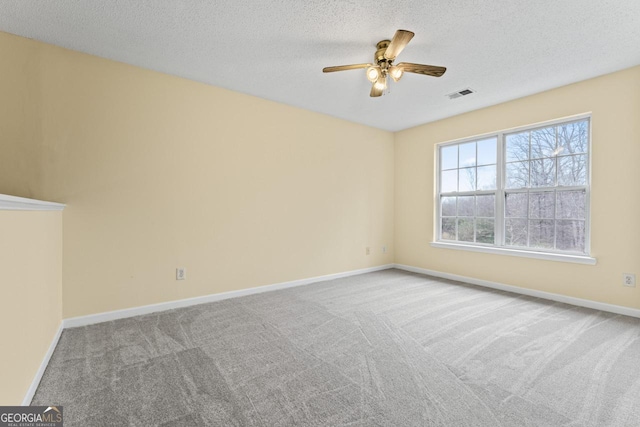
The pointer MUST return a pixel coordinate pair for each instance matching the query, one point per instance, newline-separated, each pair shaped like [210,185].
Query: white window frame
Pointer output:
[499,246]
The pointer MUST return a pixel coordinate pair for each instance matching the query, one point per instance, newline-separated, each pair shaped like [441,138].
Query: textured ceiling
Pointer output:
[503,49]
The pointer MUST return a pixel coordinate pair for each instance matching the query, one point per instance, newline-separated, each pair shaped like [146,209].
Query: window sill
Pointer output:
[578,259]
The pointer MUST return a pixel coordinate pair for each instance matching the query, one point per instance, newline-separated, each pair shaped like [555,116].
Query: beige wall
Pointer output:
[20,118]
[160,172]
[614,101]
[31,263]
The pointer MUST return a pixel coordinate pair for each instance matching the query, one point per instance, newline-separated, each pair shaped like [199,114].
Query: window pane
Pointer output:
[541,233]
[572,170]
[486,205]
[543,173]
[467,178]
[448,229]
[515,232]
[541,205]
[448,207]
[543,142]
[517,147]
[467,154]
[573,138]
[571,204]
[571,235]
[485,230]
[449,182]
[516,205]
[517,175]
[466,206]
[465,229]
[487,178]
[487,152]
[449,157]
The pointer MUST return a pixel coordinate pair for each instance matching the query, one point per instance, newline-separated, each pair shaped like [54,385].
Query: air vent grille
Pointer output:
[461,93]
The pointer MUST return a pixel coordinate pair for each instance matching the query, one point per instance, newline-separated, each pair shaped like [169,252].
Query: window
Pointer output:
[468,191]
[526,189]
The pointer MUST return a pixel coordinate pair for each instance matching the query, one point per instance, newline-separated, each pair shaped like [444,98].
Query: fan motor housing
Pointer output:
[382,48]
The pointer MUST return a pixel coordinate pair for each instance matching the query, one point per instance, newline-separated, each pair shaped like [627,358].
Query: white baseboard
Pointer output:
[36,379]
[617,309]
[146,309]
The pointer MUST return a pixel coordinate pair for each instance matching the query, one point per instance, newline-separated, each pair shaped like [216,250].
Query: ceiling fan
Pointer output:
[386,53]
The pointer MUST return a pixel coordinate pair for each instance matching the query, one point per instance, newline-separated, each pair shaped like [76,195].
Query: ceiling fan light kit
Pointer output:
[386,53]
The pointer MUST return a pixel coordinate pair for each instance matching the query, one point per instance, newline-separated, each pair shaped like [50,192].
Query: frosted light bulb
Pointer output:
[373,73]
[381,83]
[396,73]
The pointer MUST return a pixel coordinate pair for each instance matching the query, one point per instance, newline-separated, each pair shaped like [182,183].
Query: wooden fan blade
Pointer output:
[399,42]
[376,91]
[345,67]
[427,70]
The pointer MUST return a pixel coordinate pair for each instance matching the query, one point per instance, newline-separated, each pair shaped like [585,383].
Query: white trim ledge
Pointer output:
[90,319]
[13,203]
[45,361]
[602,306]
[578,259]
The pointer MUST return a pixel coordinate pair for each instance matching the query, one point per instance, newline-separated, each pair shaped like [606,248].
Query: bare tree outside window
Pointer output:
[543,167]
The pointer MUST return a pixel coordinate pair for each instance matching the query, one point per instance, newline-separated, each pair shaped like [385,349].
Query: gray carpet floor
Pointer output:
[388,348]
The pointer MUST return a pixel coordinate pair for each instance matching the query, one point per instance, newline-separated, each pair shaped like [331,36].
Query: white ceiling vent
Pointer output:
[458,94]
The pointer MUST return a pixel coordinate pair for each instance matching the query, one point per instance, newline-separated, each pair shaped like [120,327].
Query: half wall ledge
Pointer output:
[13,203]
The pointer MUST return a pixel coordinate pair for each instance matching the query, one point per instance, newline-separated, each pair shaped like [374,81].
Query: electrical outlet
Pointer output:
[181,273]
[367,250]
[384,249]
[629,279]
